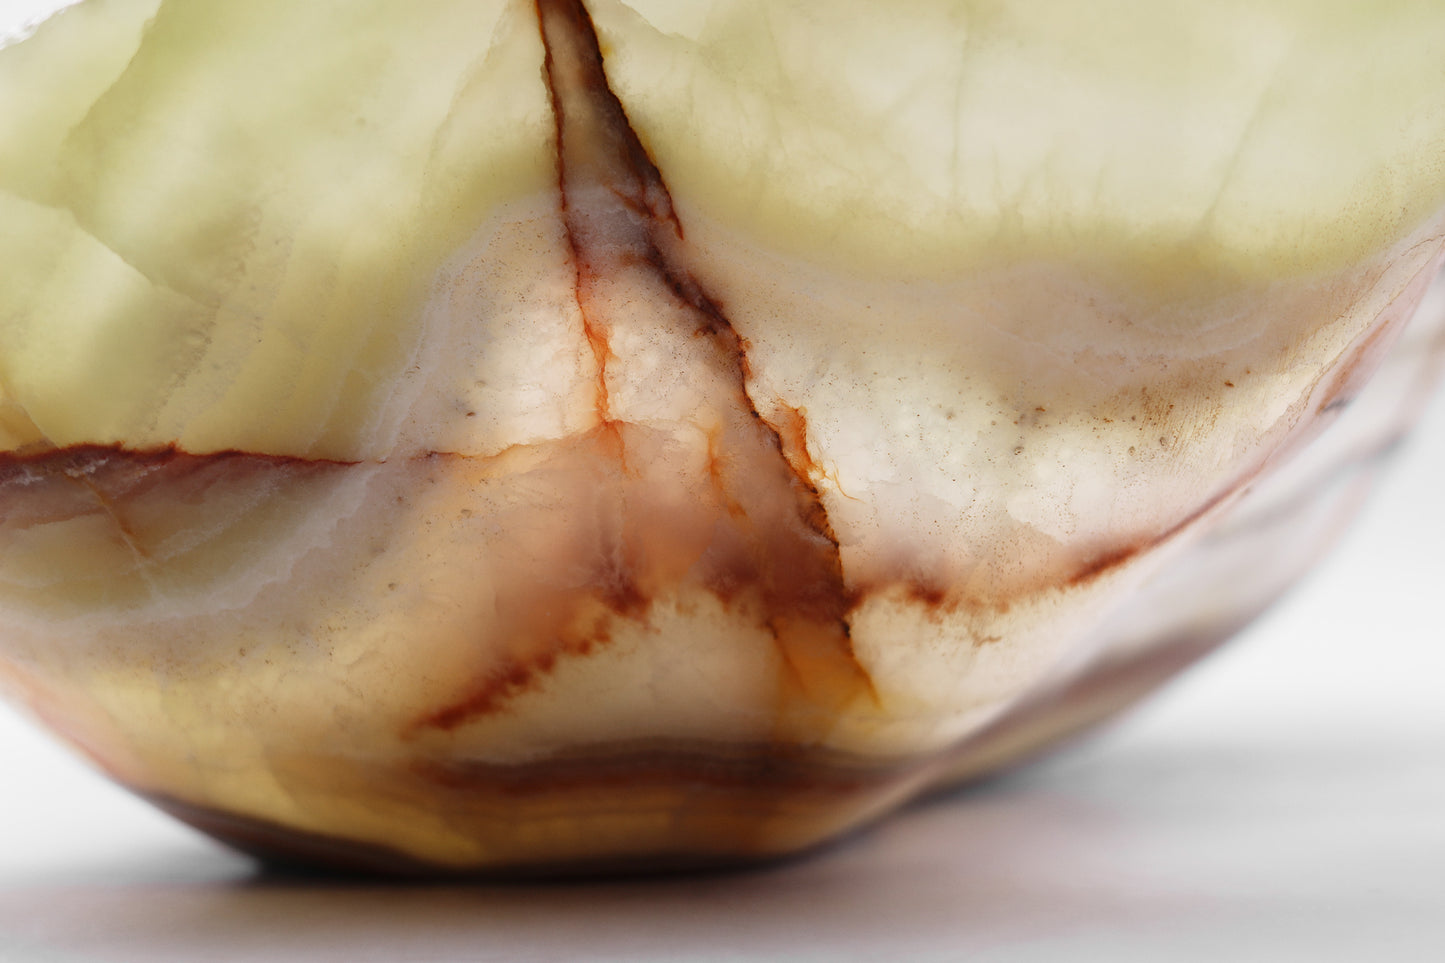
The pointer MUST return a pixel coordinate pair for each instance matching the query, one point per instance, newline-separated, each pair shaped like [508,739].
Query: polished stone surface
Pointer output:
[515,437]
[1256,811]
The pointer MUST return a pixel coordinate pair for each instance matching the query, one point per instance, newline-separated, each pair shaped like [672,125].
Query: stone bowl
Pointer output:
[489,437]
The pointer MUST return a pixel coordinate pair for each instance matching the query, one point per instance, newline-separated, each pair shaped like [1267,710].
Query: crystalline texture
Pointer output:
[511,436]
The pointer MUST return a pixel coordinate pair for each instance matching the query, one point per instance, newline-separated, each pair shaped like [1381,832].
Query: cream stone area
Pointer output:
[1046,451]
[1005,498]
[529,436]
[891,144]
[1203,589]
[258,203]
[1287,519]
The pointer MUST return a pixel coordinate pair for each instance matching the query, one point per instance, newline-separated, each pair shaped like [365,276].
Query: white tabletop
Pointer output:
[1285,801]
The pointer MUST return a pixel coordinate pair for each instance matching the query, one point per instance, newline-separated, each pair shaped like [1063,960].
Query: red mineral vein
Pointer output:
[596,334]
[756,536]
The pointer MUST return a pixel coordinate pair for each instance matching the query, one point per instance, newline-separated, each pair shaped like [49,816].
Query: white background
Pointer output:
[1285,801]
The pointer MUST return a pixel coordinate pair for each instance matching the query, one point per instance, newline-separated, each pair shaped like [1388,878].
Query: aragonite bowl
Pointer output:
[498,437]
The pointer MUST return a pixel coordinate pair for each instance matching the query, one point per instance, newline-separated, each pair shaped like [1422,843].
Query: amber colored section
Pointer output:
[724,805]
[658,808]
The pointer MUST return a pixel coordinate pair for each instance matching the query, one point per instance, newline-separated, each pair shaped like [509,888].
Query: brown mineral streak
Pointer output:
[788,567]
[84,459]
[113,476]
[596,335]
[109,474]
[1106,561]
